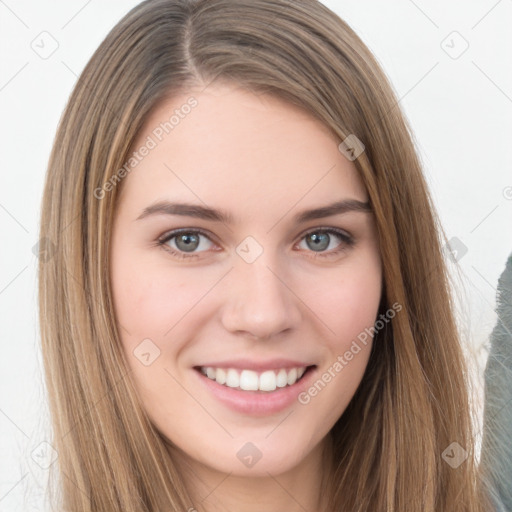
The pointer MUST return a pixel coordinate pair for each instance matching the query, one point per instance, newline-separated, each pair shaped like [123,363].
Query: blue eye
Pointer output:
[322,242]
[318,241]
[328,240]
[186,241]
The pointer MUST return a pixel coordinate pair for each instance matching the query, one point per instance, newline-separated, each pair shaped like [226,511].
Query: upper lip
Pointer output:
[251,364]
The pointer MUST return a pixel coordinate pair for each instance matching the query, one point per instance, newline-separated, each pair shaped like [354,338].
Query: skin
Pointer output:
[263,161]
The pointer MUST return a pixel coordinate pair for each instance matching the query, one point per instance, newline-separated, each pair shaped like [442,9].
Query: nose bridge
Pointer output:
[258,300]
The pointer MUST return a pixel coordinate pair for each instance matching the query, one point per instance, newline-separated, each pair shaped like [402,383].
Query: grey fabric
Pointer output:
[496,455]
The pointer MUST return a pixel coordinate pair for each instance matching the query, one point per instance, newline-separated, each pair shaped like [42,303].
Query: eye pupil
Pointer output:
[320,241]
[190,242]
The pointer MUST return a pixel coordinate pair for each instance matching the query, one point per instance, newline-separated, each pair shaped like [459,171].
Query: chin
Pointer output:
[257,456]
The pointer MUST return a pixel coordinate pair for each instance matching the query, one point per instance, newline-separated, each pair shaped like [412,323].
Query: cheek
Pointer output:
[151,305]
[151,300]
[348,304]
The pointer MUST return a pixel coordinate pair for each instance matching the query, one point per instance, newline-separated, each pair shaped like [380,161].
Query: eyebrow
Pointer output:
[219,215]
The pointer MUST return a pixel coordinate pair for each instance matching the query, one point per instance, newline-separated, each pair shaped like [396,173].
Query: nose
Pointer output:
[260,300]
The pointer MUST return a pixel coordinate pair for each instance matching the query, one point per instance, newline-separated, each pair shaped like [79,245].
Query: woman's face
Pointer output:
[242,249]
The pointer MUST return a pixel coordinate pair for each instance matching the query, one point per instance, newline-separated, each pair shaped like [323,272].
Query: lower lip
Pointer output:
[258,403]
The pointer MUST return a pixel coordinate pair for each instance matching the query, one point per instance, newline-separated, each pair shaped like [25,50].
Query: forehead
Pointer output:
[229,147]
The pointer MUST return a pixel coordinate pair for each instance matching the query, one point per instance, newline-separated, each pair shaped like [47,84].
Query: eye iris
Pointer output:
[187,242]
[320,241]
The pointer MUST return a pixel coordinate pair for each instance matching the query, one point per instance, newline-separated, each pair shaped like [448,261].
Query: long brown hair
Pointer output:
[413,401]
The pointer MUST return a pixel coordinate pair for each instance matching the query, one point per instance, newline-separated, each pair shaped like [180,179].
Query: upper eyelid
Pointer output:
[175,232]
[330,229]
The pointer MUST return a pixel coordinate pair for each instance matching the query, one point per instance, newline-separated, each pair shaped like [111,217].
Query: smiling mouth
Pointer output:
[249,380]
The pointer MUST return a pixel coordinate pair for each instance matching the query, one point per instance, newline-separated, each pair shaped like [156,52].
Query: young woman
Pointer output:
[248,307]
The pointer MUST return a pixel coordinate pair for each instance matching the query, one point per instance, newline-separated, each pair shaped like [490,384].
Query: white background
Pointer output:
[459,108]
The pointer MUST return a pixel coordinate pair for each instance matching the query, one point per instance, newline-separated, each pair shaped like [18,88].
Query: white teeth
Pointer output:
[282,379]
[292,376]
[268,381]
[232,378]
[221,376]
[250,380]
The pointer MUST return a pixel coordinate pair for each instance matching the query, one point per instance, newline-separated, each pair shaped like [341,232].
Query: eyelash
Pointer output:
[347,242]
